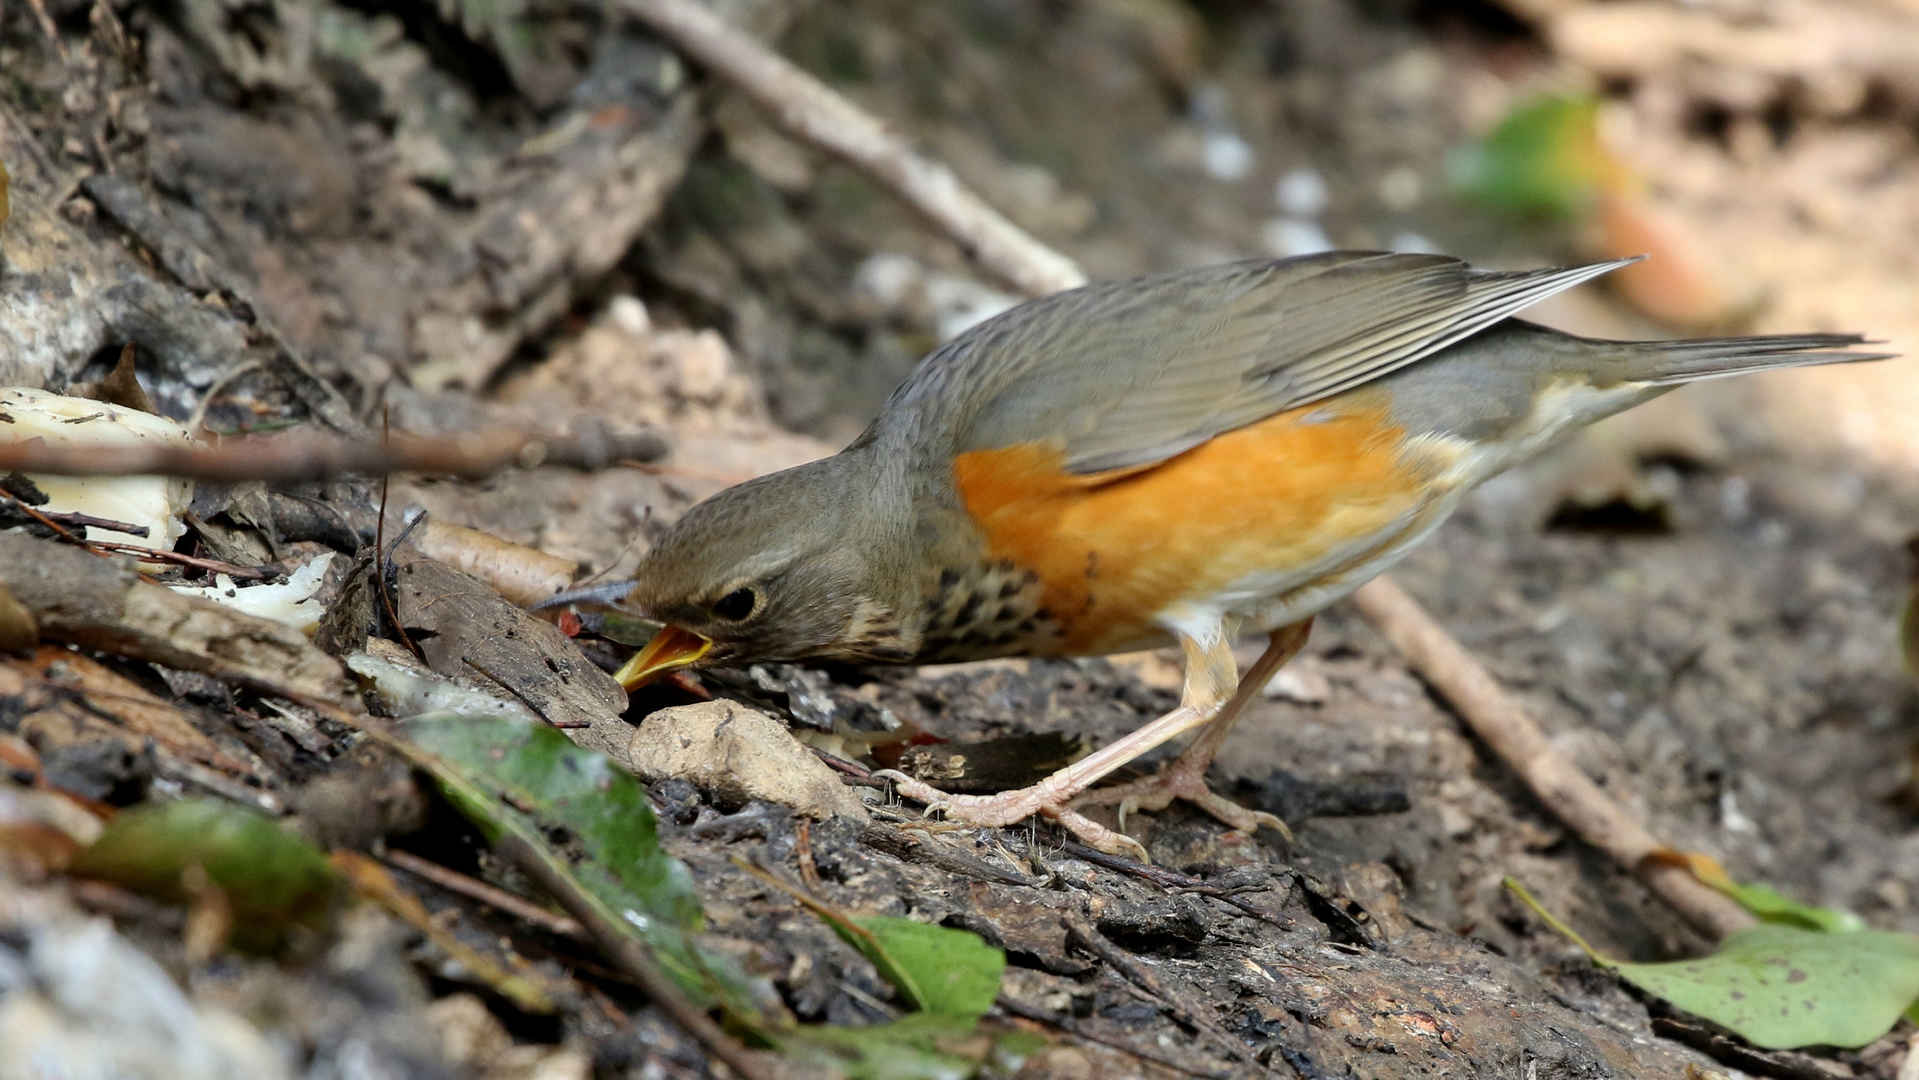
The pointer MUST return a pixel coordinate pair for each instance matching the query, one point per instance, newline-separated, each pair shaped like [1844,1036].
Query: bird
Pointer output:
[1170,459]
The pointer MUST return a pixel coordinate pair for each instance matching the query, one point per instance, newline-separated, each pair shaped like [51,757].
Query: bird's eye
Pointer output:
[737,605]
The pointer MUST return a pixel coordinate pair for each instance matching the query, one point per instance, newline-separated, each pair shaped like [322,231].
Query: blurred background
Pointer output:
[451,215]
[1763,154]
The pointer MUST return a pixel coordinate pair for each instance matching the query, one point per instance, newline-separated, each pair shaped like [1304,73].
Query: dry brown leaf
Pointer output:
[522,574]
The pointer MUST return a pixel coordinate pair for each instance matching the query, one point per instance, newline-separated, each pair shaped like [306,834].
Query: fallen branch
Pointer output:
[812,112]
[76,598]
[307,456]
[1502,724]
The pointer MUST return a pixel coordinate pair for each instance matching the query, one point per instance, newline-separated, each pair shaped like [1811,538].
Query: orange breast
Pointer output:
[1113,550]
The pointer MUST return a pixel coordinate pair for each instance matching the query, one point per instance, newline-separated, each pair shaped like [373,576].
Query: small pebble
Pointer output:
[1227,156]
[1301,193]
[629,314]
[886,279]
[1293,236]
[961,303]
[1400,188]
[1413,242]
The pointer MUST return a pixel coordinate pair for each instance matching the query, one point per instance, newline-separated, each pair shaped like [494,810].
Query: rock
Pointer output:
[738,754]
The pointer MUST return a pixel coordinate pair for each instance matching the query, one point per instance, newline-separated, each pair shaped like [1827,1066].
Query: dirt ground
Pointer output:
[1698,602]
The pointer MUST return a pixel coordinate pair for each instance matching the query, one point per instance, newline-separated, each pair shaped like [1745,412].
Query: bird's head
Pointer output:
[773,569]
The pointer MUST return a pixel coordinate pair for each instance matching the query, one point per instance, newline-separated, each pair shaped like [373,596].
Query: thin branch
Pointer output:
[1502,724]
[77,520]
[217,566]
[44,519]
[492,895]
[49,30]
[633,958]
[294,457]
[812,112]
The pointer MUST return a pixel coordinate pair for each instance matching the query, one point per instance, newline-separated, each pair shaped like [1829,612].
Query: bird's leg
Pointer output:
[1185,778]
[1211,679]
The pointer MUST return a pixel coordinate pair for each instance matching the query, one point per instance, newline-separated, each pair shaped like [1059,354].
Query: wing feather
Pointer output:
[1130,373]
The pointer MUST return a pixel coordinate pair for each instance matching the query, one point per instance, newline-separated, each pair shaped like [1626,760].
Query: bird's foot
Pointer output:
[1180,780]
[1011,807]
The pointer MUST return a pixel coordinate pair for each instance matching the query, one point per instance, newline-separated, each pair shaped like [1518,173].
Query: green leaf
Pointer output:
[1762,900]
[1783,986]
[1545,160]
[509,775]
[271,878]
[626,629]
[939,970]
[1774,907]
[942,971]
[924,1046]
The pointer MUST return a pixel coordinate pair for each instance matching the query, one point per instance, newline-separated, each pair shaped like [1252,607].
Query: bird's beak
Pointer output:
[671,648]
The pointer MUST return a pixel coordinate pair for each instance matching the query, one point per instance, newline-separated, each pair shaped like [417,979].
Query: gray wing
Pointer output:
[1131,373]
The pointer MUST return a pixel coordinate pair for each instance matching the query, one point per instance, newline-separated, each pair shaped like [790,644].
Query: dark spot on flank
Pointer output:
[968,611]
[1011,589]
[1028,625]
[1092,565]
[949,577]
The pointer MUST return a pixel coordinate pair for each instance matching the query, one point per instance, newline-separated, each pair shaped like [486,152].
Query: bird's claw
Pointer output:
[1009,808]
[987,811]
[1158,791]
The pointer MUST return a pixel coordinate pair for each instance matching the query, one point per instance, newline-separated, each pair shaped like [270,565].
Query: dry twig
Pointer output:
[812,112]
[634,959]
[304,456]
[492,895]
[1499,721]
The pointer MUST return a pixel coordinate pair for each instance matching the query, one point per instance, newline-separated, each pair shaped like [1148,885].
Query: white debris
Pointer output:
[152,501]
[290,602]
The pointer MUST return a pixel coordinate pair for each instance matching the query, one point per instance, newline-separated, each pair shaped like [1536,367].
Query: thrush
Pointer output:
[1170,459]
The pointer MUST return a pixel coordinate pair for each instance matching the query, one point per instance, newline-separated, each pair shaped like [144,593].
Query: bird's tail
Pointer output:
[1669,363]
